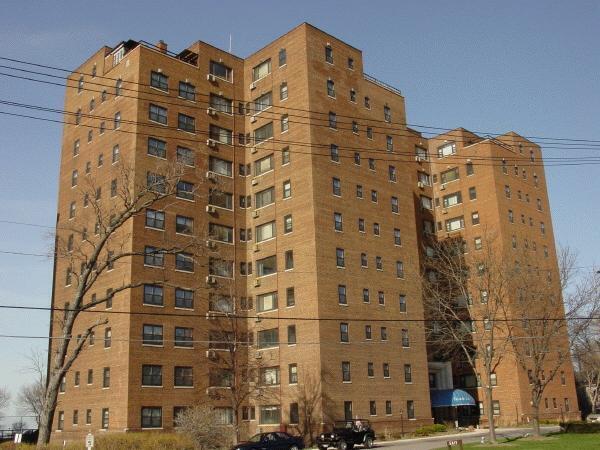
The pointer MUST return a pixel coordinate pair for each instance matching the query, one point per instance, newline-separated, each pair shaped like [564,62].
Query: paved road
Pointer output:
[436,442]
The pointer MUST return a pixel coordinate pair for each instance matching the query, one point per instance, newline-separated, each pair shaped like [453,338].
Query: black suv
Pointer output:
[346,434]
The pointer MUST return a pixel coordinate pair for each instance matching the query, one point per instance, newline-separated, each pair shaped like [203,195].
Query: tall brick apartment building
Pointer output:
[309,189]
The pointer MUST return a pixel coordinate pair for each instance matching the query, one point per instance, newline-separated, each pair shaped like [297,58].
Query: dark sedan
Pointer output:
[271,441]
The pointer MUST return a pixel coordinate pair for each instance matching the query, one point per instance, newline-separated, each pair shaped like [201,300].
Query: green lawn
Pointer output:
[573,441]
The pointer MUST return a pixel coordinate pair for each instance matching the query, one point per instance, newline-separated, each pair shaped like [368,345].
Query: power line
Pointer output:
[297,318]
[287,143]
[287,108]
[266,112]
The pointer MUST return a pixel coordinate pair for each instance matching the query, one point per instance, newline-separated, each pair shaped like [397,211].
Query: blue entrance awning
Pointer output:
[450,397]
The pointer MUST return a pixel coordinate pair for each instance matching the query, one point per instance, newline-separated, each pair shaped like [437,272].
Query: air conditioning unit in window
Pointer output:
[211,143]
[211,354]
[211,111]
[255,214]
[443,187]
[420,184]
[444,211]
[211,209]
[254,150]
[211,176]
[210,316]
[258,355]
[419,158]
[255,247]
[211,77]
[211,279]
[254,181]
[252,119]
[211,244]
[468,160]
[256,283]
[257,319]
[253,86]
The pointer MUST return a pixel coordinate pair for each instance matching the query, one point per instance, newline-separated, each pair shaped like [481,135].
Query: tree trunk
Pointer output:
[536,418]
[47,413]
[490,414]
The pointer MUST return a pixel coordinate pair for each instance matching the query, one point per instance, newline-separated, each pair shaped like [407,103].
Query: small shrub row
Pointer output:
[580,427]
[430,429]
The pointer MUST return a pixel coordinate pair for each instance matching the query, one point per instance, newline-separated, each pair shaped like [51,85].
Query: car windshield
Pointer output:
[255,438]
[343,424]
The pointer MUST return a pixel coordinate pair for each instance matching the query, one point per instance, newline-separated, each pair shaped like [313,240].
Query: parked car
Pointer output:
[593,418]
[271,441]
[346,434]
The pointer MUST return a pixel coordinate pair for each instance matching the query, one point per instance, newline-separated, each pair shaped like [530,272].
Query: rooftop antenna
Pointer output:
[229,42]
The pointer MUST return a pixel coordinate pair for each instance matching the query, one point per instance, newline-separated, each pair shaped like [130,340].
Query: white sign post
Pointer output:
[18,438]
[89,441]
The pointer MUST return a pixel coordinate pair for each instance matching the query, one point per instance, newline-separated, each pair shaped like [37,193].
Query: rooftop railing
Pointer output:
[382,84]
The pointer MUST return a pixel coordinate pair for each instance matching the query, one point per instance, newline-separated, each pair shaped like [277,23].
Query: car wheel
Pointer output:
[342,445]
[368,442]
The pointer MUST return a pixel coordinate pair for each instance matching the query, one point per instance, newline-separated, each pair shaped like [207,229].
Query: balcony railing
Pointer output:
[382,84]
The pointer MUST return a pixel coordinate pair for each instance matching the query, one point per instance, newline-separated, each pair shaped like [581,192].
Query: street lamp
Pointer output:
[401,423]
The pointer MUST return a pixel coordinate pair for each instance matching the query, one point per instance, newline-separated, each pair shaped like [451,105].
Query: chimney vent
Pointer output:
[162,46]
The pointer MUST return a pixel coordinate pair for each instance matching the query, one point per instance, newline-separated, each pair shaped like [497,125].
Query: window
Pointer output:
[410,409]
[265,231]
[152,335]
[221,233]
[372,407]
[470,169]
[106,377]
[90,376]
[270,415]
[72,210]
[507,191]
[371,164]
[368,332]
[332,120]
[151,375]
[117,120]
[386,370]
[370,369]
[221,104]
[116,155]
[387,114]
[366,295]
[395,206]
[287,224]
[187,91]
[334,152]
[405,339]
[344,333]
[221,71]
[76,147]
[496,407]
[352,95]
[449,175]
[157,148]
[283,62]
[363,260]
[392,173]
[153,295]
[268,338]
[152,417]
[159,81]
[331,88]
[359,191]
[266,302]
[285,156]
[384,335]
[399,269]
[447,150]
[263,102]
[475,218]
[153,257]
[342,299]
[155,219]
[455,224]
[265,197]
[452,199]
[347,410]
[158,114]
[426,202]
[378,263]
[542,228]
[369,132]
[113,188]
[357,158]
[291,332]
[222,135]
[184,298]
[389,143]
[374,196]
[289,259]
[283,91]
[220,267]
[287,189]
[266,266]
[340,257]
[184,376]
[336,186]
[346,376]
[261,70]
[60,425]
[290,299]
[376,229]
[184,337]
[329,54]
[472,193]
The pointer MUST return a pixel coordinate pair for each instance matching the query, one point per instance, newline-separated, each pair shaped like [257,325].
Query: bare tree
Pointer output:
[18,426]
[309,397]
[202,424]
[542,323]
[31,396]
[234,369]
[586,355]
[465,302]
[4,399]
[98,252]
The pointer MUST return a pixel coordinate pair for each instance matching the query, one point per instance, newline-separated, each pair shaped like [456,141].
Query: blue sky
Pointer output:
[532,67]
